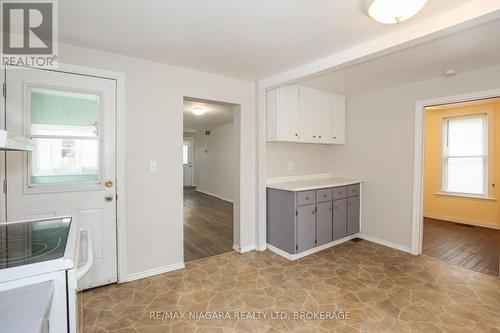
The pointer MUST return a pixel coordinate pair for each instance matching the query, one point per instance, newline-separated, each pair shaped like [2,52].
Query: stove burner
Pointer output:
[31,242]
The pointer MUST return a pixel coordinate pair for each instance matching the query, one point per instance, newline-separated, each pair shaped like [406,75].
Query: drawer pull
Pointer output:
[307,198]
[336,207]
[313,212]
[324,195]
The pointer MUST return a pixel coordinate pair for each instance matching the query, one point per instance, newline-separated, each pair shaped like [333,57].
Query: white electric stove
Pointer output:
[35,252]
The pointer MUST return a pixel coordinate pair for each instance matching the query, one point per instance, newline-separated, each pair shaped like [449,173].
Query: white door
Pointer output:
[187,161]
[71,119]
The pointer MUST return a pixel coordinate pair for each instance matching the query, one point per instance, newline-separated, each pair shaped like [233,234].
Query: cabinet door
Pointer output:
[324,223]
[352,215]
[288,116]
[338,119]
[306,227]
[339,219]
[314,115]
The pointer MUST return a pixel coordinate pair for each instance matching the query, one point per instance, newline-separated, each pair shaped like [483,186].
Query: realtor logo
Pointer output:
[29,33]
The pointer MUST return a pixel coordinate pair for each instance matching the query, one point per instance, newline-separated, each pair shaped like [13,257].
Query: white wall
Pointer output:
[380,145]
[306,158]
[154,131]
[214,161]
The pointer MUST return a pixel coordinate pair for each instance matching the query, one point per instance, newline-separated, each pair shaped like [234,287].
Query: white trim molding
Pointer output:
[306,253]
[461,220]
[385,243]
[244,249]
[214,195]
[154,271]
[418,157]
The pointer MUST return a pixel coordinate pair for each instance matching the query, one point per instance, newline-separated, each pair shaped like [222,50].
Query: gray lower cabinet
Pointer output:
[339,219]
[352,215]
[306,227]
[300,221]
[323,223]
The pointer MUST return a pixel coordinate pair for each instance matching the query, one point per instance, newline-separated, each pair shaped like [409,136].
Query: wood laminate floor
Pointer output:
[208,225]
[471,247]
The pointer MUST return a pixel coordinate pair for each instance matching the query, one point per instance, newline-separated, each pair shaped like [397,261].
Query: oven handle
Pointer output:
[80,272]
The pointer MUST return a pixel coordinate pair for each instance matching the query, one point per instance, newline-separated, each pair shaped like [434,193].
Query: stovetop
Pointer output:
[29,242]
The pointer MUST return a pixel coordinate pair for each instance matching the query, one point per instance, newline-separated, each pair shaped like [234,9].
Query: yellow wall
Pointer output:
[458,209]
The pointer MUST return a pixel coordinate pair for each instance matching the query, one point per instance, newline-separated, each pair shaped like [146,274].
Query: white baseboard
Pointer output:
[244,249]
[303,254]
[462,221]
[385,243]
[261,248]
[154,271]
[214,195]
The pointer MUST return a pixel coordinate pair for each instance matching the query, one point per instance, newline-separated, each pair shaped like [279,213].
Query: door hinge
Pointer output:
[5,186]
[296,247]
[116,196]
[315,241]
[296,212]
[4,90]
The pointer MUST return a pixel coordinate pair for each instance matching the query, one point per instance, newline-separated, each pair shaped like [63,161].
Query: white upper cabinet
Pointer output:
[315,115]
[283,114]
[338,119]
[307,115]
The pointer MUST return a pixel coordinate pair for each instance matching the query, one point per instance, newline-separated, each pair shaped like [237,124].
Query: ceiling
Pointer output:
[217,114]
[463,51]
[248,40]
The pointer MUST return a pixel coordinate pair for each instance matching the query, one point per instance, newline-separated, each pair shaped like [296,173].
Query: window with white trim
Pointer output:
[465,157]
[65,129]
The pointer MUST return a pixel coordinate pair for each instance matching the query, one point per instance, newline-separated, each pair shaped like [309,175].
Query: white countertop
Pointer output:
[312,183]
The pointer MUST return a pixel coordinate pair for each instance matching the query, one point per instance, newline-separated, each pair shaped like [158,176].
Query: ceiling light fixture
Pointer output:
[393,11]
[199,111]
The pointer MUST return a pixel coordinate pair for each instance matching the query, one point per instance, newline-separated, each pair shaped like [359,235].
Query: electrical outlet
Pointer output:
[290,165]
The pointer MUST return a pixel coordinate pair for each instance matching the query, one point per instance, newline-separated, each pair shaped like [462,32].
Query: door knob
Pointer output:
[108,183]
[108,198]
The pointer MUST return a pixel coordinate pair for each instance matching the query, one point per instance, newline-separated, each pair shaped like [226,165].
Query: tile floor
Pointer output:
[383,290]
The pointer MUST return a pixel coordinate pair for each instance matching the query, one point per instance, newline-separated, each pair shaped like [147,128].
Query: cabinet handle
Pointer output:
[296,134]
[336,207]
[335,137]
[307,198]
[330,209]
[319,136]
[324,195]
[314,136]
[314,212]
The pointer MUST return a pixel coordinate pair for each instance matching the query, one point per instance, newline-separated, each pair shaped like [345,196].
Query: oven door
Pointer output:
[75,301]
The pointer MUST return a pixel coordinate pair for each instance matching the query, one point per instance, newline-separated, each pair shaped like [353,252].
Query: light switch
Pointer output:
[153,167]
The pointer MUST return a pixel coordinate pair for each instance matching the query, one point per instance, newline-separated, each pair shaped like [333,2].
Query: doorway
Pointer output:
[187,161]
[461,211]
[210,146]
[71,119]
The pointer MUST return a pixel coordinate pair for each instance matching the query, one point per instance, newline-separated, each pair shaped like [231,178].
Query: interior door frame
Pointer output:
[418,157]
[119,78]
[188,138]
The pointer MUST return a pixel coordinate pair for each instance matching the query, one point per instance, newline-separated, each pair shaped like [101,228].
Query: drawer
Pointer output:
[339,192]
[324,195]
[306,198]
[353,190]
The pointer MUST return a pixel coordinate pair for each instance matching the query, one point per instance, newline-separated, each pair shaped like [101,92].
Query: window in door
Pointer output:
[65,128]
[465,155]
